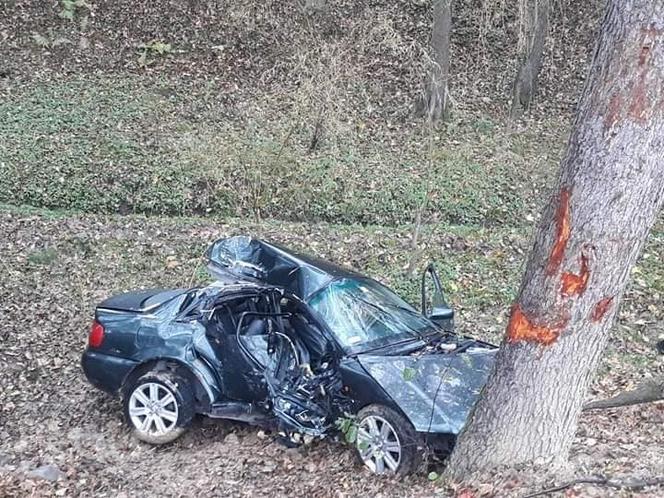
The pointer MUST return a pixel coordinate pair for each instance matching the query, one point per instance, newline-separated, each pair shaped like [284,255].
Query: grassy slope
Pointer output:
[223,122]
[130,145]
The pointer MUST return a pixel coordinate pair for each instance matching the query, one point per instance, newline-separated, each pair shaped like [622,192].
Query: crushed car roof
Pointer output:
[246,258]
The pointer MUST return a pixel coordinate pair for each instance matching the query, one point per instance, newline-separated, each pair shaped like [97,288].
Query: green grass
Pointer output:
[42,257]
[121,144]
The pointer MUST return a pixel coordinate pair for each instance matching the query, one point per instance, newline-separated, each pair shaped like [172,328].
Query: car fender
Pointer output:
[363,388]
[196,367]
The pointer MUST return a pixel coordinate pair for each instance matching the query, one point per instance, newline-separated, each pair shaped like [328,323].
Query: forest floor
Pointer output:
[56,266]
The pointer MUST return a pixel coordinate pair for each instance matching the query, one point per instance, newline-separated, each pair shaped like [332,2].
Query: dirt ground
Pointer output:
[55,267]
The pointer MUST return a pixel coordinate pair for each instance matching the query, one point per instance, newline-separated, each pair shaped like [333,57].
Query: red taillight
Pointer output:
[96,336]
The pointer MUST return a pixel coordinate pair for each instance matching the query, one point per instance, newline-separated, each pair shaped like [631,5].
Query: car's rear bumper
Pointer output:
[105,371]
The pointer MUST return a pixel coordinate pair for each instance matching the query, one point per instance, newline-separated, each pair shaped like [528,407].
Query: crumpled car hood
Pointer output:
[414,383]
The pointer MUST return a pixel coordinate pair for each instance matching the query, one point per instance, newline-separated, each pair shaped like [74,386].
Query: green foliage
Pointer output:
[120,145]
[42,257]
[40,40]
[151,49]
[71,7]
[348,426]
[51,40]
[409,374]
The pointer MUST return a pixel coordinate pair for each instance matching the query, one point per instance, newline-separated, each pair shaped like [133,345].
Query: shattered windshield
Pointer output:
[363,314]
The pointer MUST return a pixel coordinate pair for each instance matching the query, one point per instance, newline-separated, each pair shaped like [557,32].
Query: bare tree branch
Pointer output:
[646,392]
[631,483]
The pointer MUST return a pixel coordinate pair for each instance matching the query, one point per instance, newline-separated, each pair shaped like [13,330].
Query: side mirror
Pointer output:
[434,305]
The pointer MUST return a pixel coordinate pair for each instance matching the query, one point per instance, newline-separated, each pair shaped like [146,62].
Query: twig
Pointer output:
[193,273]
[284,142]
[6,266]
[627,483]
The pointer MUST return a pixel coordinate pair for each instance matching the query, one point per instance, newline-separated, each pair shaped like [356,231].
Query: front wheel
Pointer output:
[159,406]
[386,442]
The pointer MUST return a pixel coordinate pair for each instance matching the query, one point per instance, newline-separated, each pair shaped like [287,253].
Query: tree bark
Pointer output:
[530,64]
[435,103]
[609,191]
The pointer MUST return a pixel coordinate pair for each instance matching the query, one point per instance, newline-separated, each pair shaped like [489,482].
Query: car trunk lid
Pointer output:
[141,301]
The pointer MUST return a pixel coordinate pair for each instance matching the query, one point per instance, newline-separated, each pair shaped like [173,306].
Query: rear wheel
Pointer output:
[386,442]
[159,406]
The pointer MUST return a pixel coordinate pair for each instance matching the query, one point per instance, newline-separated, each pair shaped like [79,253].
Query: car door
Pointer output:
[242,380]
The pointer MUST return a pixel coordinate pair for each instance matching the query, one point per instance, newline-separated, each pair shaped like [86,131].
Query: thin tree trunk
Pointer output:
[608,194]
[435,103]
[525,83]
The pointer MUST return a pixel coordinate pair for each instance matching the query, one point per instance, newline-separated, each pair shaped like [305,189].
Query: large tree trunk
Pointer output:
[435,103]
[535,27]
[609,191]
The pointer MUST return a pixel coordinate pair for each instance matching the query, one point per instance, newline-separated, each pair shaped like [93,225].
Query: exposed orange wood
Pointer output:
[575,285]
[635,100]
[562,232]
[522,328]
[601,308]
[640,104]
[616,104]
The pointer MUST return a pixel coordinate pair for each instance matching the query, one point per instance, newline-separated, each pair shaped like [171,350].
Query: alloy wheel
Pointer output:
[378,445]
[153,409]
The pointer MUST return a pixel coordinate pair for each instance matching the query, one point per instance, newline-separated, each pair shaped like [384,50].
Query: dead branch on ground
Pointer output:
[646,392]
[631,483]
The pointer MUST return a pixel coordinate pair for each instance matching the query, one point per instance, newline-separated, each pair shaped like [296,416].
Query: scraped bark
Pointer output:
[646,392]
[609,191]
[536,25]
[435,103]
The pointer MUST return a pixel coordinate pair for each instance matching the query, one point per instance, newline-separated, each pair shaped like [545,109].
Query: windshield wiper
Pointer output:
[392,344]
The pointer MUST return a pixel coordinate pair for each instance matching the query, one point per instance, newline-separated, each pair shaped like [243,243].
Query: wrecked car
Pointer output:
[294,344]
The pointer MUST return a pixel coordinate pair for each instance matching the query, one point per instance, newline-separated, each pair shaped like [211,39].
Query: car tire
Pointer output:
[383,435]
[159,406]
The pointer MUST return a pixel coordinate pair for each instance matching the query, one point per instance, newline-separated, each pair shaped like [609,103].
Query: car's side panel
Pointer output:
[206,386]
[436,391]
[362,388]
[134,341]
[120,329]
[241,381]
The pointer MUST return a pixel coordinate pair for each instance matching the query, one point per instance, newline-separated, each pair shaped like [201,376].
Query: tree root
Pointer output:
[631,483]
